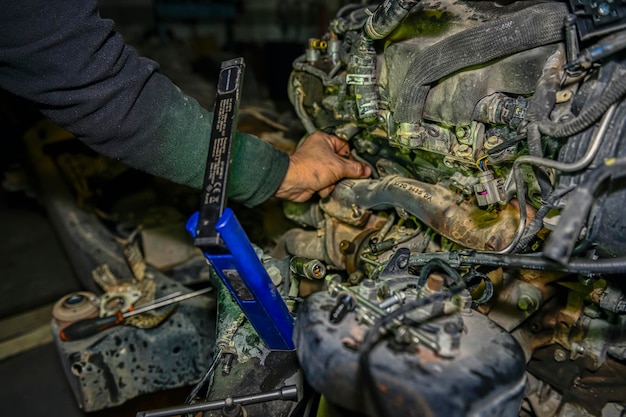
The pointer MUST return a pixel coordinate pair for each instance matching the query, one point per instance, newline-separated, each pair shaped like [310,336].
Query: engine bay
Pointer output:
[477,272]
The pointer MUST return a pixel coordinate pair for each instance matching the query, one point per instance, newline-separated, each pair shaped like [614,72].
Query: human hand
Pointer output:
[316,165]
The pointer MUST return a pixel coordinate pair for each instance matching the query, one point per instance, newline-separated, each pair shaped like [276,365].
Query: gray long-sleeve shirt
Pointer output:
[60,55]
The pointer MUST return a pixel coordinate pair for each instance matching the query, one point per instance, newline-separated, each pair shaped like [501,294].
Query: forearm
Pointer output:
[60,55]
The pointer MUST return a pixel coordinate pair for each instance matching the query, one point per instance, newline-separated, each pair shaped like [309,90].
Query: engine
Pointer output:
[479,271]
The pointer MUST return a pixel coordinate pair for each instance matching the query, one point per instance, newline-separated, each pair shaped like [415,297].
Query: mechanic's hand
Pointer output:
[318,163]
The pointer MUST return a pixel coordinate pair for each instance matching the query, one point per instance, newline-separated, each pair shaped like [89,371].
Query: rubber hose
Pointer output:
[520,261]
[387,17]
[525,29]
[535,149]
[562,240]
[533,227]
[614,91]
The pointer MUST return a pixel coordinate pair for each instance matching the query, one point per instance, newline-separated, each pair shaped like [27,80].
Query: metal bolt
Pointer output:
[403,335]
[346,247]
[464,151]
[492,142]
[403,262]
[526,303]
[560,355]
[434,283]
[604,9]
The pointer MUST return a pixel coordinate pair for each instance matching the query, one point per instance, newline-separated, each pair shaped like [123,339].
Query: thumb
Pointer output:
[355,169]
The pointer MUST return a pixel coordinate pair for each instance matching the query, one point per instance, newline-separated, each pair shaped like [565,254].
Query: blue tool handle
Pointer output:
[243,274]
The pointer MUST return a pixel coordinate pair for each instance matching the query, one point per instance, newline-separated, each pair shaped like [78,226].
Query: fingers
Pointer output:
[317,164]
[355,169]
[340,146]
[325,192]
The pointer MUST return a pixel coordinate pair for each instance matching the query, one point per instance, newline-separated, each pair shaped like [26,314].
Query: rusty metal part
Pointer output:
[517,299]
[307,268]
[331,244]
[590,389]
[122,301]
[435,205]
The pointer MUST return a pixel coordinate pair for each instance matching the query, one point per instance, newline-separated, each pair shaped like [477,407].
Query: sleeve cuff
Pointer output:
[257,169]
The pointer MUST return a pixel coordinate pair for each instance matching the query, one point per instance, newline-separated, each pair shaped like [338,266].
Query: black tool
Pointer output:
[286,393]
[89,327]
[214,198]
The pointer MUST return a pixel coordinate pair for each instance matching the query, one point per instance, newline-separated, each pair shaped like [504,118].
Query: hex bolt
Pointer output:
[346,247]
[578,348]
[434,283]
[403,262]
[526,303]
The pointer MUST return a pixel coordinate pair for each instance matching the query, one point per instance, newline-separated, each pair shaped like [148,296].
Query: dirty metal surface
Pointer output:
[124,362]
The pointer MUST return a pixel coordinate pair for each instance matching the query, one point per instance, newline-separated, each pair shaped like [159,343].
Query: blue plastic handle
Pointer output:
[243,274]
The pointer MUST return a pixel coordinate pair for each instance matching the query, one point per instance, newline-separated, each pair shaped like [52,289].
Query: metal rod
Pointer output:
[583,162]
[167,302]
[287,393]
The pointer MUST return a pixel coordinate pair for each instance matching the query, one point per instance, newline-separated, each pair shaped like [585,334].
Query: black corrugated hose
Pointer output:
[615,90]
[533,261]
[561,242]
[531,27]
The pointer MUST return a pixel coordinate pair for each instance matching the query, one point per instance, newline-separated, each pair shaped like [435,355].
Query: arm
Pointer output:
[60,55]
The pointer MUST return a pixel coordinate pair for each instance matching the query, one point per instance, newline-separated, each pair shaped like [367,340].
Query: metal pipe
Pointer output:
[435,205]
[582,163]
[287,393]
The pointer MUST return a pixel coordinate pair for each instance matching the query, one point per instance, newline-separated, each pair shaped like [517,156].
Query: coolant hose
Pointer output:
[531,27]
[561,242]
[436,206]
